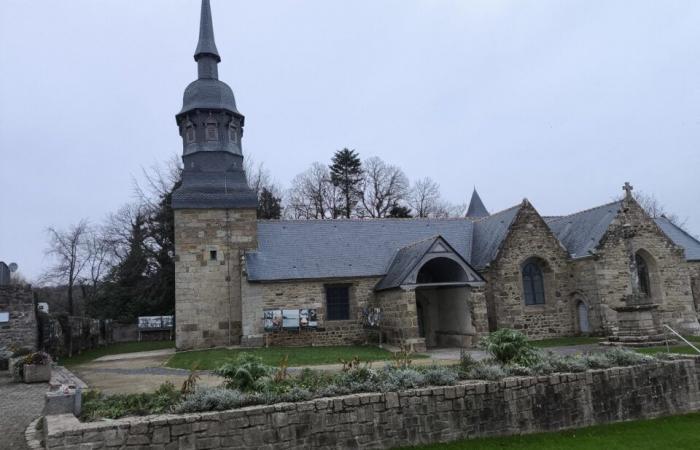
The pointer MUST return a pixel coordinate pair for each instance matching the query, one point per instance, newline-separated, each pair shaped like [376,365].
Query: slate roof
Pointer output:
[680,238]
[476,206]
[489,232]
[310,249]
[581,232]
[316,249]
[404,261]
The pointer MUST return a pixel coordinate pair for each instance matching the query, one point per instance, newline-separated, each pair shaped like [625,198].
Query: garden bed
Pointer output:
[249,381]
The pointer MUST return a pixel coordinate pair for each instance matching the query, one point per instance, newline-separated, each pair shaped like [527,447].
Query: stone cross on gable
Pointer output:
[628,189]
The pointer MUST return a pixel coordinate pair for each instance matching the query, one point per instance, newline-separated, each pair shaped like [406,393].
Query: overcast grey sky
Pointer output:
[556,101]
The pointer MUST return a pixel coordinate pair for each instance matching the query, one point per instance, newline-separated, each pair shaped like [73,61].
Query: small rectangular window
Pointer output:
[337,302]
[212,255]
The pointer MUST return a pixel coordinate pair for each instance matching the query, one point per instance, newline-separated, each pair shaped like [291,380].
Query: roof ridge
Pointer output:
[554,218]
[481,219]
[372,219]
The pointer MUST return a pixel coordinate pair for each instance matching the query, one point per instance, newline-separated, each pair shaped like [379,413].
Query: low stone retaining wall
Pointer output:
[429,415]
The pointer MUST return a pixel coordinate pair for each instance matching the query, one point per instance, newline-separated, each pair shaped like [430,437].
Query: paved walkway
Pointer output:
[19,404]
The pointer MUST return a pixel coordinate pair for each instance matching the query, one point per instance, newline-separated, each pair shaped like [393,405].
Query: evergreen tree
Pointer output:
[346,174]
[269,206]
[400,212]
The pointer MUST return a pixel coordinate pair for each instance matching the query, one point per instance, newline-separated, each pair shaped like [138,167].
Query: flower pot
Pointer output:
[37,373]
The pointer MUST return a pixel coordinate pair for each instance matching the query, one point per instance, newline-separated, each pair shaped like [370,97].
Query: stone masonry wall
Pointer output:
[669,272]
[585,289]
[429,415]
[530,237]
[207,289]
[399,317]
[694,267]
[21,331]
[308,294]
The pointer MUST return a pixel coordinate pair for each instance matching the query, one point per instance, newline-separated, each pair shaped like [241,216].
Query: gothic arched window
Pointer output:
[233,132]
[533,284]
[212,130]
[642,274]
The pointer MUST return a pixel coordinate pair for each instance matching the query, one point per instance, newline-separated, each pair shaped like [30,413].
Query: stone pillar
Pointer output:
[209,245]
[251,314]
[479,312]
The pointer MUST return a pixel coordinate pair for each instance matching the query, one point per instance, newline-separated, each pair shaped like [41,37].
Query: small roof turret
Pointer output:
[476,207]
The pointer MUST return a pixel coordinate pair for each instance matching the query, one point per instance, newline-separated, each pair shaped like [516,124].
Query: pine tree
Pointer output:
[346,174]
[269,206]
[400,212]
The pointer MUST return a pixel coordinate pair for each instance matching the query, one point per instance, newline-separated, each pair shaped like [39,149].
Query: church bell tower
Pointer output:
[215,210]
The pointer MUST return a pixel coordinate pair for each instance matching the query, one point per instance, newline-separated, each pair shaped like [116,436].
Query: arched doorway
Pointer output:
[444,318]
[584,325]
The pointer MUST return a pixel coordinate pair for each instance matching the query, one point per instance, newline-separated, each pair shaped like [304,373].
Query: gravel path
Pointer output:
[21,403]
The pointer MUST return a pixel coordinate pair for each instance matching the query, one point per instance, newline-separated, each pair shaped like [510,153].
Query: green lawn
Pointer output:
[683,349]
[679,432]
[115,349]
[298,356]
[566,341]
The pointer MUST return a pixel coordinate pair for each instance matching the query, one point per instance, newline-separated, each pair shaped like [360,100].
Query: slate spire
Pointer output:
[476,207]
[206,44]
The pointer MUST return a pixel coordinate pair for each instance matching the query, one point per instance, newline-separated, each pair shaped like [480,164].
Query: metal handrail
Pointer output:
[682,338]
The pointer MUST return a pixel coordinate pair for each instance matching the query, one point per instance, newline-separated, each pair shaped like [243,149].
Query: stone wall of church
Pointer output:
[530,237]
[584,288]
[669,273]
[694,268]
[209,244]
[303,295]
[399,318]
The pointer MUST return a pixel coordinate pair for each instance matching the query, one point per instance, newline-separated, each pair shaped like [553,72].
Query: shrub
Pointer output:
[244,372]
[622,357]
[518,370]
[96,405]
[439,376]
[597,361]
[400,379]
[486,371]
[212,399]
[509,346]
[466,361]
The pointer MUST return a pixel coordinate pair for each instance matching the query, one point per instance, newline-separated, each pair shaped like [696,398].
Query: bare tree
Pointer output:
[424,198]
[655,209]
[313,196]
[100,258]
[68,248]
[384,186]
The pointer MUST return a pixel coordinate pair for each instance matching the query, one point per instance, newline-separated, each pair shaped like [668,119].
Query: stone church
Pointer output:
[610,270]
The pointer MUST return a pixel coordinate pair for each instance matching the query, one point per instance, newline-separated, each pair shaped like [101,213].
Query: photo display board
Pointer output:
[372,317]
[154,322]
[289,319]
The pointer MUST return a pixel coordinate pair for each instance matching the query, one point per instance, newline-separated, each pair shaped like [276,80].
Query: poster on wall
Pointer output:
[290,319]
[308,318]
[272,319]
[371,317]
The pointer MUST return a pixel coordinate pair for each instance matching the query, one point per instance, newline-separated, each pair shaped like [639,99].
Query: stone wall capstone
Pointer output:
[421,416]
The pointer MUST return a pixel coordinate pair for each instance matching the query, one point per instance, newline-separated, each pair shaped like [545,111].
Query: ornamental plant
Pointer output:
[244,372]
[509,346]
